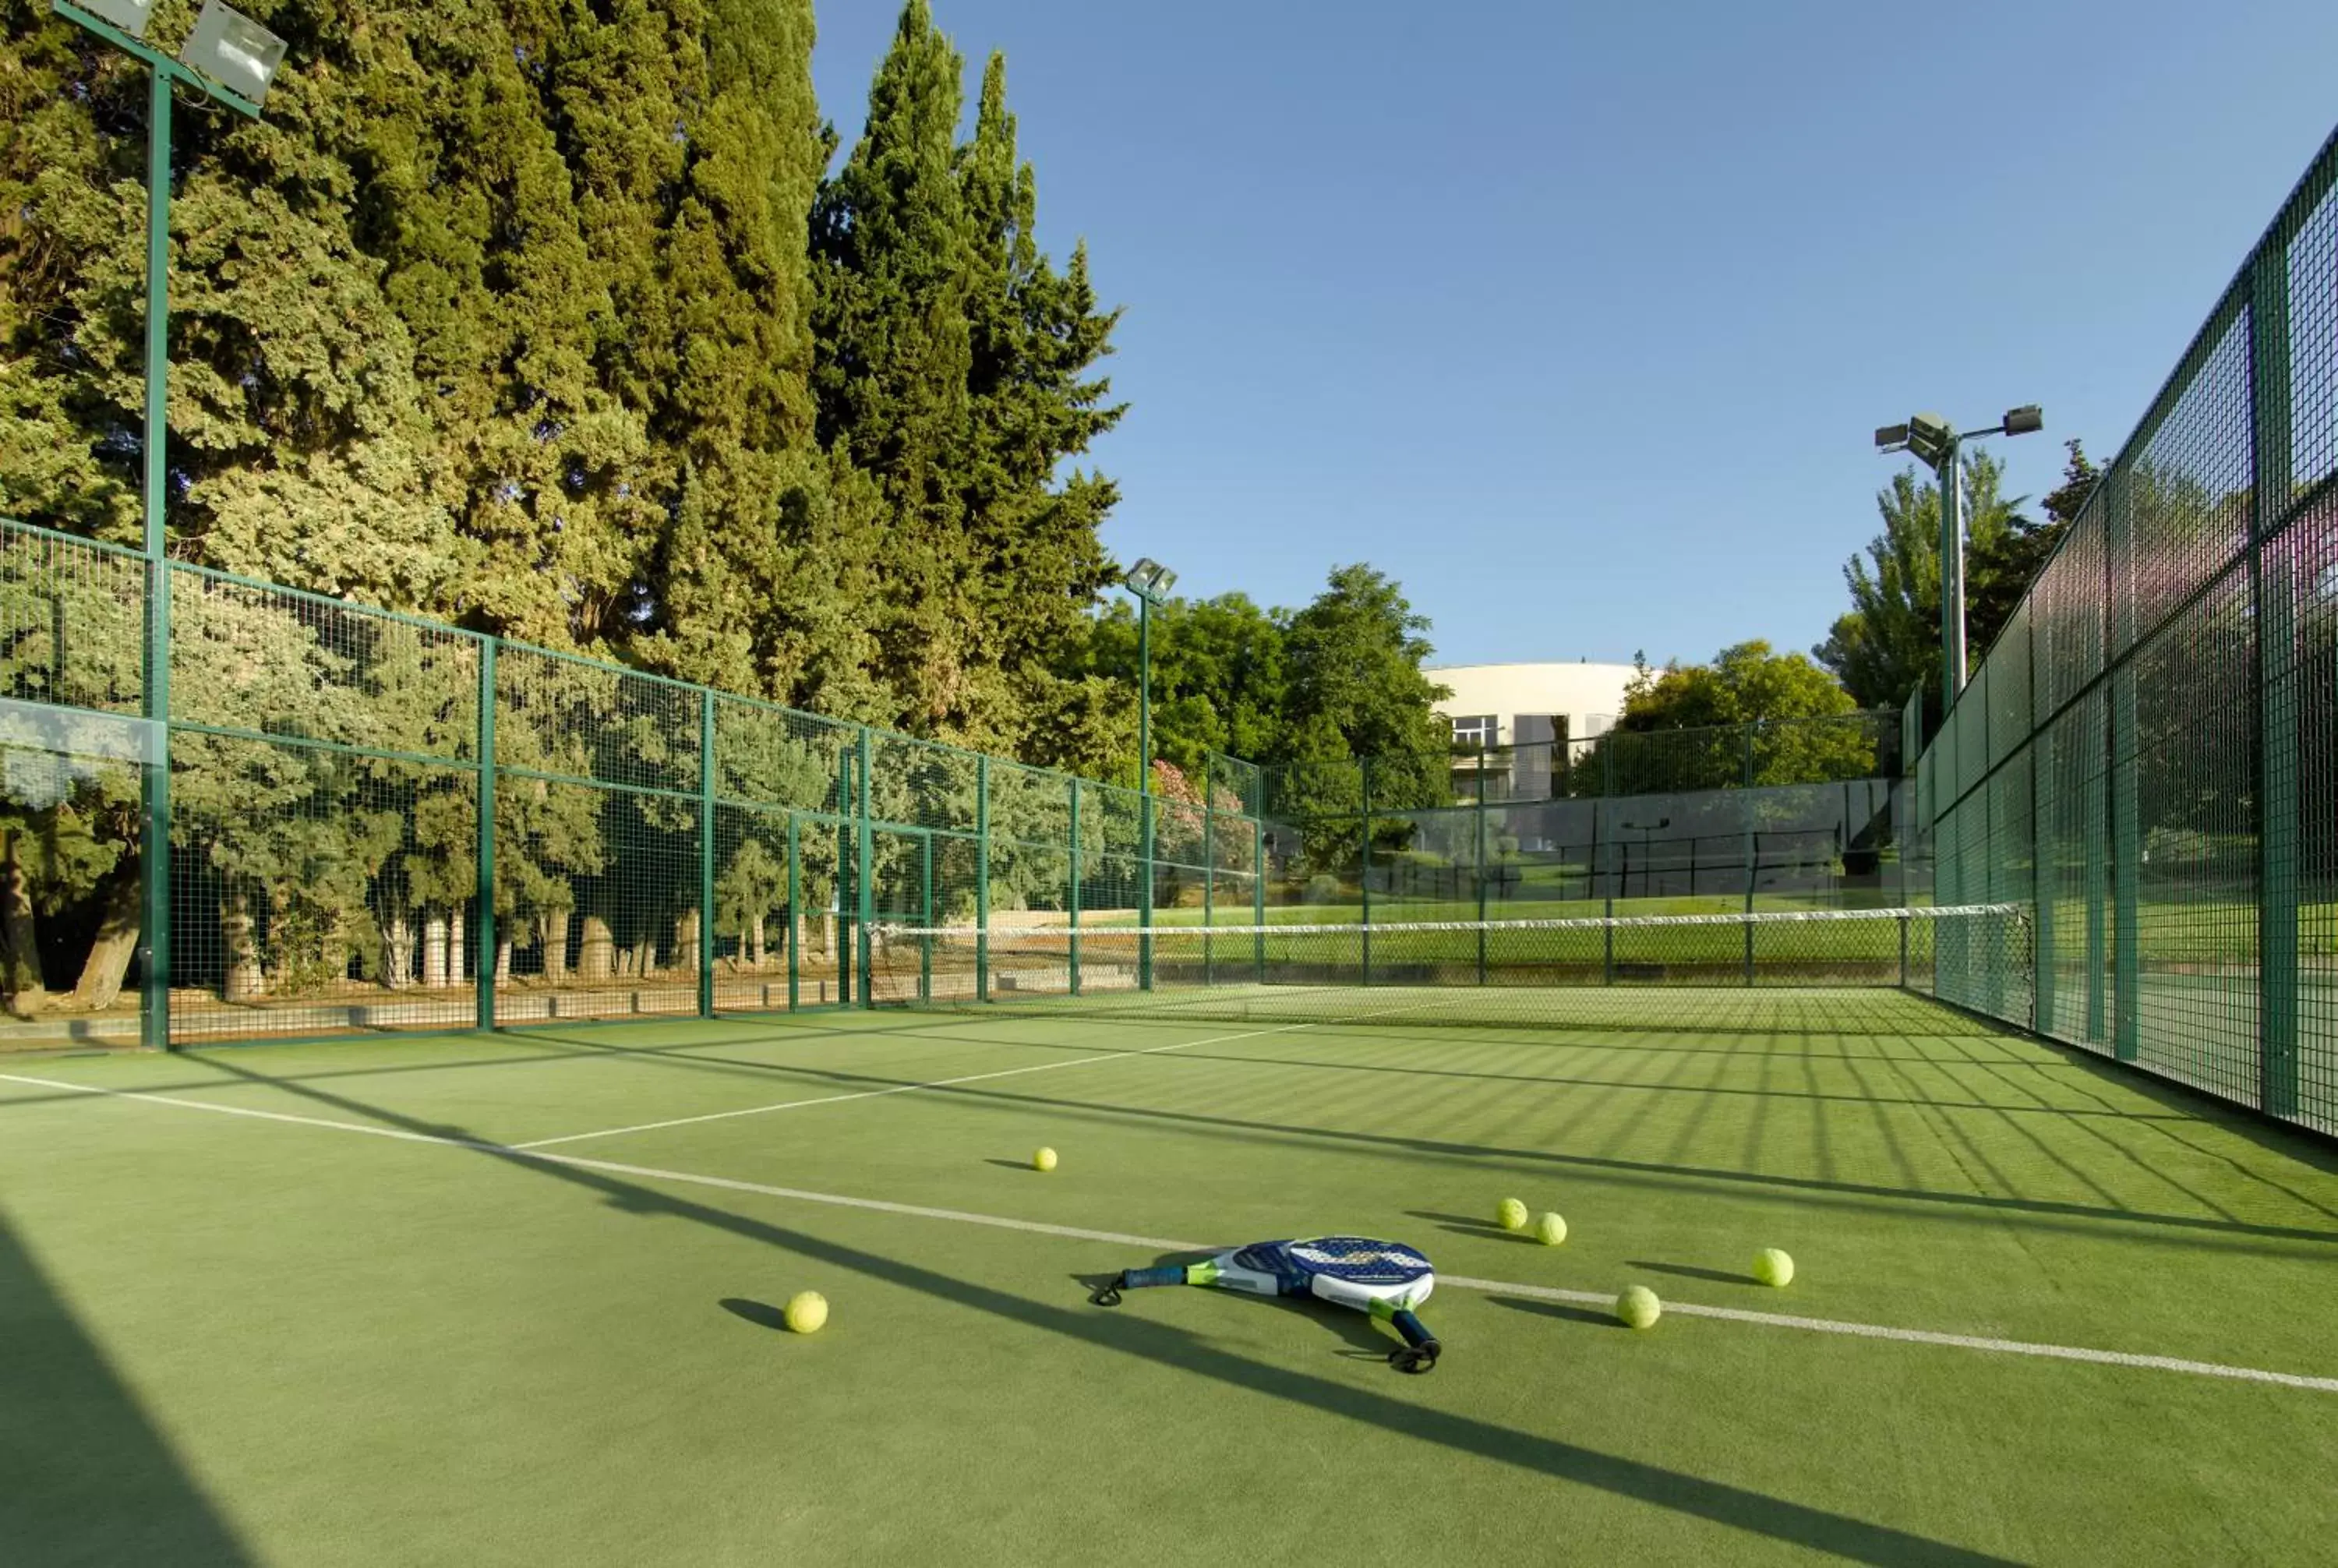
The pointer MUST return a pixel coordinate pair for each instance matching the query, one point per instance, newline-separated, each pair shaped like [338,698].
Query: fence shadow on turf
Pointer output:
[1696,1496]
[84,1475]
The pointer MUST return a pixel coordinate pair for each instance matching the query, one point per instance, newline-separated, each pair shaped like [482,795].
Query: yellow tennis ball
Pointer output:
[1511,1215]
[1550,1230]
[806,1311]
[1773,1267]
[1638,1308]
[1043,1160]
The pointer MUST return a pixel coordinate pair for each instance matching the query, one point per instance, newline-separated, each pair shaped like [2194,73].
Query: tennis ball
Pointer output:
[1638,1307]
[1511,1215]
[1773,1267]
[1043,1160]
[1550,1230]
[806,1311]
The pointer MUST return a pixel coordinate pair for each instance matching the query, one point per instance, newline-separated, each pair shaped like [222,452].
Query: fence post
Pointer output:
[1258,893]
[1209,877]
[982,879]
[484,991]
[1753,845]
[706,852]
[864,884]
[2126,810]
[847,875]
[1365,769]
[1074,786]
[2272,684]
[925,915]
[1481,866]
[795,914]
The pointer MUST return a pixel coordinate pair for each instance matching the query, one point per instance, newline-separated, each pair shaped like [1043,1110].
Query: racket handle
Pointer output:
[1138,1278]
[1415,1334]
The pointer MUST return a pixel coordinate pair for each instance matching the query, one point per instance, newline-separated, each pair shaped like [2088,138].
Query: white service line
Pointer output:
[945,1082]
[1169,1244]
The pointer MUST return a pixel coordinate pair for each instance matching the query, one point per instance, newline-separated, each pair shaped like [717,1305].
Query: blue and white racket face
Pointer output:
[1358,1259]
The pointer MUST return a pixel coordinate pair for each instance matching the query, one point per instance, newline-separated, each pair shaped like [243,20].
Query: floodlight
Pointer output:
[1164,581]
[233,51]
[1931,437]
[1144,572]
[2024,420]
[1891,438]
[130,15]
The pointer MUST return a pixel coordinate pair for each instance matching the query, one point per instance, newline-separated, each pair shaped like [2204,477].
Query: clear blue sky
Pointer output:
[1577,319]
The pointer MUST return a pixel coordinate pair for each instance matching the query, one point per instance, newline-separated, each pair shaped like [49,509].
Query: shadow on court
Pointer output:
[1690,1272]
[761,1314]
[85,1476]
[1561,1309]
[1124,1333]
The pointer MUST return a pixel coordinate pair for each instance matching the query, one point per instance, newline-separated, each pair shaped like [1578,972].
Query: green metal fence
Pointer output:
[1792,814]
[2149,751]
[380,823]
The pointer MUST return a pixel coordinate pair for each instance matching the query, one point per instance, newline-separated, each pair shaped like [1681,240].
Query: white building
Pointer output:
[1529,705]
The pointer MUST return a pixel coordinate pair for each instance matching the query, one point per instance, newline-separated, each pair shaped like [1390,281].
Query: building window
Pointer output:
[1476,734]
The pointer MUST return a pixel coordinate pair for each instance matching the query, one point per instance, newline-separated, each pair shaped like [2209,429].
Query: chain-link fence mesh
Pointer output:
[2145,755]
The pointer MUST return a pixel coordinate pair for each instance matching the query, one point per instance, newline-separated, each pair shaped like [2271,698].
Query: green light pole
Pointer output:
[231,59]
[1150,581]
[1933,442]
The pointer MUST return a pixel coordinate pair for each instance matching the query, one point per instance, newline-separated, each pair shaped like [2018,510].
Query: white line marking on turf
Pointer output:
[942,1082]
[1169,1244]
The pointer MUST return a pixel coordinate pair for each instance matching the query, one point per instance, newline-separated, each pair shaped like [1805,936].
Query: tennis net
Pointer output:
[1512,972]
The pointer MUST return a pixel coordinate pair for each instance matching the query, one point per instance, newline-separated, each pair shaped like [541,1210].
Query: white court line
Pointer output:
[1169,1244]
[947,1083]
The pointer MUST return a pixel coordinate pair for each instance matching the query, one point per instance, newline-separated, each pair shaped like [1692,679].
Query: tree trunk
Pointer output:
[755,950]
[20,955]
[502,960]
[555,945]
[458,961]
[398,951]
[644,958]
[685,942]
[245,983]
[100,986]
[598,961]
[434,951]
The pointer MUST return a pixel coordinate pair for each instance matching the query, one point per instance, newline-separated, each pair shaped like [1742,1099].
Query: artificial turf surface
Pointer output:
[234,1339]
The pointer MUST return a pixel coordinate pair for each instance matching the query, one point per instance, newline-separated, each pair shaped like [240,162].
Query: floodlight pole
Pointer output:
[1950,475]
[154,846]
[1149,581]
[1939,447]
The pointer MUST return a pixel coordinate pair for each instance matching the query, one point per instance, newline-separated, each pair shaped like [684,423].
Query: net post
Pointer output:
[795,914]
[484,991]
[1364,888]
[1257,894]
[1904,922]
[1481,864]
[706,853]
[1074,786]
[982,879]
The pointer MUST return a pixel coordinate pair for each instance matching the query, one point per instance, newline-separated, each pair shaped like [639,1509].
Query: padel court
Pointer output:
[516,1297]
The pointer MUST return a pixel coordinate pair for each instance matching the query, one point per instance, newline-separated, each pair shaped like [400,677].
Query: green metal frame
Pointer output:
[154,850]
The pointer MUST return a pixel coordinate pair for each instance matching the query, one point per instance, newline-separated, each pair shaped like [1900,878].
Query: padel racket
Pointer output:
[1385,1279]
